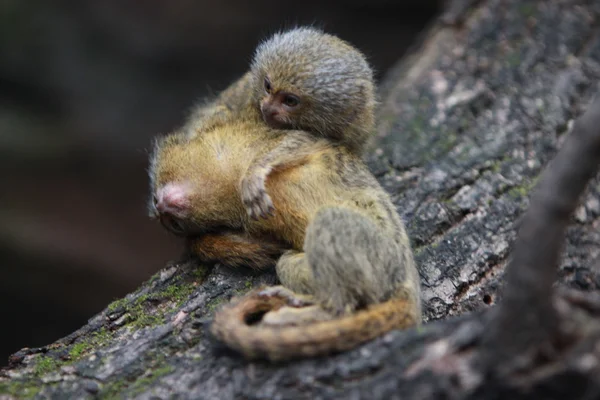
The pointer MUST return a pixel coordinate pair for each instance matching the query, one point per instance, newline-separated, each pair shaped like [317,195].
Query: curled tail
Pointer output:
[357,267]
[233,326]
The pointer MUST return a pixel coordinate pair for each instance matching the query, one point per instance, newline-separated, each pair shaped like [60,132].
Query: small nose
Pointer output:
[272,113]
[268,109]
[172,199]
[161,205]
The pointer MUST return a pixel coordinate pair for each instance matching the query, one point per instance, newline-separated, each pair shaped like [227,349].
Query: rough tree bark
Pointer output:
[467,124]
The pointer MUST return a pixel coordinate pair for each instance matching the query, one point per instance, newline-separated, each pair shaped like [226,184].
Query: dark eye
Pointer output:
[177,226]
[172,224]
[267,85]
[291,100]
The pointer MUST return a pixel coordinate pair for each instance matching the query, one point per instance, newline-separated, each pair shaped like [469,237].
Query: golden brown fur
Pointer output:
[346,246]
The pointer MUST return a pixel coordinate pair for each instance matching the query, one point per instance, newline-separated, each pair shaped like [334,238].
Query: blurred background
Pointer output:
[84,86]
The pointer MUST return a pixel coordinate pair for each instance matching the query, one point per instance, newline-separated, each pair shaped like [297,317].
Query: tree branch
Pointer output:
[526,318]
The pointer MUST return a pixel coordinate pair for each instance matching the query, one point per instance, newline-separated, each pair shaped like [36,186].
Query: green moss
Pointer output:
[140,318]
[200,273]
[142,383]
[496,167]
[517,192]
[154,278]
[169,292]
[85,346]
[117,304]
[45,365]
[78,350]
[20,390]
[523,190]
[213,304]
[144,319]
[141,299]
[178,292]
[101,337]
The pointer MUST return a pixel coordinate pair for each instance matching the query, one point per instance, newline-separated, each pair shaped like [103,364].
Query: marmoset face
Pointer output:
[278,107]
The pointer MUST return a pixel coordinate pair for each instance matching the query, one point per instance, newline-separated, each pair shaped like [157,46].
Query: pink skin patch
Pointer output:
[173,199]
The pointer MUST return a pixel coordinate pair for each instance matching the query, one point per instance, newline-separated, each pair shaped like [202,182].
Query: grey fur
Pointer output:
[334,76]
[350,263]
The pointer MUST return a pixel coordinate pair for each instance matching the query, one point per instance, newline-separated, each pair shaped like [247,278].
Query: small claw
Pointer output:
[269,203]
[275,291]
[257,212]
[254,196]
[295,302]
[281,291]
[264,211]
[267,206]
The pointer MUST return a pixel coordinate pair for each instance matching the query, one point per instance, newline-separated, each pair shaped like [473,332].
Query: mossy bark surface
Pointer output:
[467,123]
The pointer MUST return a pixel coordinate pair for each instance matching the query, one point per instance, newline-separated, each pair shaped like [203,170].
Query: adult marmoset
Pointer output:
[347,252]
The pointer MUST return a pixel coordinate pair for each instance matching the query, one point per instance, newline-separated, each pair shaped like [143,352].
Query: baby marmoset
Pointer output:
[347,248]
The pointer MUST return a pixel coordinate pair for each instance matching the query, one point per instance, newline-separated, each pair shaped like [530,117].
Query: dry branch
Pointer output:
[526,320]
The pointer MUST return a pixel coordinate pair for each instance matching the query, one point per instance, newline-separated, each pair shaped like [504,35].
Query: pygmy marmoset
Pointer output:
[347,248]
